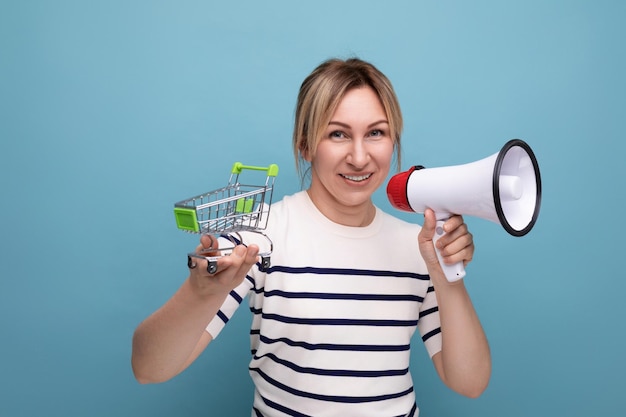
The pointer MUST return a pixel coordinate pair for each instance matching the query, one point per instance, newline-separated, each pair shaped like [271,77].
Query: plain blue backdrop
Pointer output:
[111,111]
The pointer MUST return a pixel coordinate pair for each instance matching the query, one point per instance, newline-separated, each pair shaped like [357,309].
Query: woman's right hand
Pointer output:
[173,336]
[231,269]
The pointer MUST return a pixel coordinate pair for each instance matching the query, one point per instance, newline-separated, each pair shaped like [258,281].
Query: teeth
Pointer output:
[357,178]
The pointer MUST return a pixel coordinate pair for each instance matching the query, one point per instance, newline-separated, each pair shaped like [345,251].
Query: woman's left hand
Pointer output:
[464,362]
[456,245]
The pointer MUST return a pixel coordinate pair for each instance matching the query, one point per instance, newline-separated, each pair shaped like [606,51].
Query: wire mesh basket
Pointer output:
[229,210]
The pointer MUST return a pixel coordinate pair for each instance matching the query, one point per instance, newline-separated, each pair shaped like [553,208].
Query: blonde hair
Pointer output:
[320,94]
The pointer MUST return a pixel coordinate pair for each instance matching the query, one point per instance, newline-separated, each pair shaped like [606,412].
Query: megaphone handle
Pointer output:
[455,271]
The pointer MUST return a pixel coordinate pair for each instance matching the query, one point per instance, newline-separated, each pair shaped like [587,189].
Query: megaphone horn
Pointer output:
[504,188]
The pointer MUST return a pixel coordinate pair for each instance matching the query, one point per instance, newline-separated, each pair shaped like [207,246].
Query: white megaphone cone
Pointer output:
[504,188]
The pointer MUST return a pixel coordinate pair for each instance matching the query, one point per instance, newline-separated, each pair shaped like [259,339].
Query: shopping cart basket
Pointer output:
[228,211]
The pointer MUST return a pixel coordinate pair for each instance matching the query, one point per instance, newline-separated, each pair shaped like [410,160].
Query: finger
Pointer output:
[428,228]
[208,242]
[459,249]
[206,246]
[453,223]
[203,250]
[425,238]
[465,255]
[226,270]
[248,258]
[240,259]
[454,228]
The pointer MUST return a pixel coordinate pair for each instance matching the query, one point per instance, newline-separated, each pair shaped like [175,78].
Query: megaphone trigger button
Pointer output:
[439,231]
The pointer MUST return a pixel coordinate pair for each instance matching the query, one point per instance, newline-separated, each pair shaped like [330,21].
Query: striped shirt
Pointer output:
[334,315]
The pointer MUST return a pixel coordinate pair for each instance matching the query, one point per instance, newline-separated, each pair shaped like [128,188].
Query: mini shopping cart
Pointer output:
[226,212]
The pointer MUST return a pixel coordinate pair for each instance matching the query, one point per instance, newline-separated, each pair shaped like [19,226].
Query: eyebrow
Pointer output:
[345,125]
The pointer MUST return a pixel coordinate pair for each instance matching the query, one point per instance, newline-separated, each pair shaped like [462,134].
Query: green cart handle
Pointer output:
[272,170]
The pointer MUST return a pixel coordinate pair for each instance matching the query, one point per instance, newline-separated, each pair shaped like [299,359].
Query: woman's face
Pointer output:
[352,159]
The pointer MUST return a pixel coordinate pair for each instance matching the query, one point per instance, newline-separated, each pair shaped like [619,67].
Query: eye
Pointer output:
[377,134]
[336,134]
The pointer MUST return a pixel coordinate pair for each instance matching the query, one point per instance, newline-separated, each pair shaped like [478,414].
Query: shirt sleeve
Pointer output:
[228,308]
[429,324]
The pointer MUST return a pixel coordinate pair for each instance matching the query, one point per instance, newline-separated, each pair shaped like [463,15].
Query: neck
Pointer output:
[354,216]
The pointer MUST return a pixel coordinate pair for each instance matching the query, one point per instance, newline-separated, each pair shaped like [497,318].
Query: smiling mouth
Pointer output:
[357,178]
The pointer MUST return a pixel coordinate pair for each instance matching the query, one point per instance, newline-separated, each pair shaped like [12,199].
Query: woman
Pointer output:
[349,284]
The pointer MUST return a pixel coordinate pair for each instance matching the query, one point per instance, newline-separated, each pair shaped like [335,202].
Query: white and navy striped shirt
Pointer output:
[334,315]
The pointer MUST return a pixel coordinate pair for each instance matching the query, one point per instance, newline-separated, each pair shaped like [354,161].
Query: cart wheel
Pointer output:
[211,267]
[190,263]
[265,263]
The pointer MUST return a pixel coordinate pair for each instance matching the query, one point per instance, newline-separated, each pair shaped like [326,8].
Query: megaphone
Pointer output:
[504,188]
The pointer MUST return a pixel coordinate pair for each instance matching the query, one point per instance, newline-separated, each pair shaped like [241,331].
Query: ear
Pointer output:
[304,151]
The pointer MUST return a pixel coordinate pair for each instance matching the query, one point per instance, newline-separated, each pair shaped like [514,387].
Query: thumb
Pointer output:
[428,228]
[208,241]
[425,238]
[209,245]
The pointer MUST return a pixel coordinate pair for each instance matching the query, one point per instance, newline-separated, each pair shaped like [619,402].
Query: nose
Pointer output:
[358,155]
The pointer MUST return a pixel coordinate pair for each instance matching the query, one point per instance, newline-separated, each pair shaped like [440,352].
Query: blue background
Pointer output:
[111,111]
